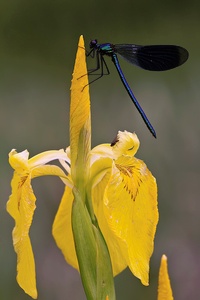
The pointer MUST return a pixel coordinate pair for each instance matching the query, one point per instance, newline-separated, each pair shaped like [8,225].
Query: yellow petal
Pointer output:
[80,127]
[128,214]
[21,206]
[62,228]
[112,241]
[47,156]
[130,207]
[164,287]
[51,170]
[21,162]
[126,143]
[101,160]
[103,150]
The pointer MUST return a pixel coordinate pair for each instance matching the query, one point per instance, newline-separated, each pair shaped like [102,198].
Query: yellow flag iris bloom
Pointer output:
[119,191]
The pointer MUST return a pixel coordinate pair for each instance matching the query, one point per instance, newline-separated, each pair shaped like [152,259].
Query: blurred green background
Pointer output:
[38,42]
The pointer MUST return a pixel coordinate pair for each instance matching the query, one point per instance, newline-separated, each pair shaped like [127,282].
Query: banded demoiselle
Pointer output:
[151,57]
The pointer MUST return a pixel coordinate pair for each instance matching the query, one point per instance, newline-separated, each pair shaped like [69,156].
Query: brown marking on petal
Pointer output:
[23,179]
[125,170]
[128,171]
[20,184]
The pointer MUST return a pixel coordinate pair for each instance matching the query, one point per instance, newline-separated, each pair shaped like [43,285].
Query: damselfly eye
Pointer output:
[93,43]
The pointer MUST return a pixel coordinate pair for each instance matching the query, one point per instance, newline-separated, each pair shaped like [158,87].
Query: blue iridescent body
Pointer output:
[152,58]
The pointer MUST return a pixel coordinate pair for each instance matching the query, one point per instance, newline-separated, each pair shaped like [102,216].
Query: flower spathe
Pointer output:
[118,188]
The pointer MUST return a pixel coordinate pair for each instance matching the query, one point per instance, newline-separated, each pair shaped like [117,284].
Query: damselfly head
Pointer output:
[93,44]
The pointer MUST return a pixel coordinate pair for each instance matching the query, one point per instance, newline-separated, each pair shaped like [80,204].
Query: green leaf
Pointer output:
[92,253]
[105,282]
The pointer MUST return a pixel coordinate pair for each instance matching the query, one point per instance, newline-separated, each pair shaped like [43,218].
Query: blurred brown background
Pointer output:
[38,42]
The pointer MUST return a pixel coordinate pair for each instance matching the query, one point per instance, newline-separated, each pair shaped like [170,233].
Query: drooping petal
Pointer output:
[21,206]
[62,228]
[131,212]
[128,214]
[164,287]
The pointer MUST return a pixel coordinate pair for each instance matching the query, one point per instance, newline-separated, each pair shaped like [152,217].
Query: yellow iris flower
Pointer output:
[116,189]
